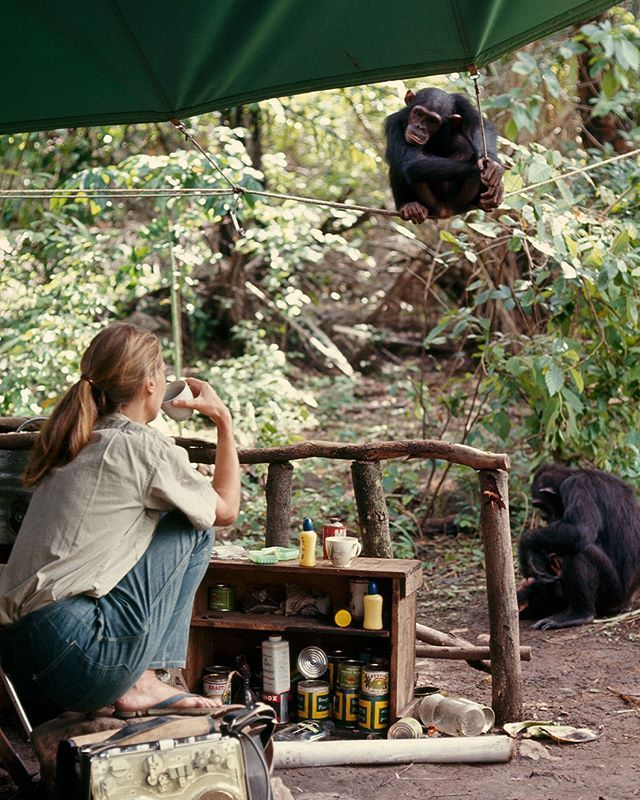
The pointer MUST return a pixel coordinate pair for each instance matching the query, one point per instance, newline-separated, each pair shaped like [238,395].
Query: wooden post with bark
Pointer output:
[278,492]
[504,643]
[372,509]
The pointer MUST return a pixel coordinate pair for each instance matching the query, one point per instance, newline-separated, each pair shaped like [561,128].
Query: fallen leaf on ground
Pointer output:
[560,733]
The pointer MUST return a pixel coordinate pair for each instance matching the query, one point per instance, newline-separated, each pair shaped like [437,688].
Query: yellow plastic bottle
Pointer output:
[308,539]
[372,604]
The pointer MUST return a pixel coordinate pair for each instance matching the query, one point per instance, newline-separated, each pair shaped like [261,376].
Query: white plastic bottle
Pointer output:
[276,675]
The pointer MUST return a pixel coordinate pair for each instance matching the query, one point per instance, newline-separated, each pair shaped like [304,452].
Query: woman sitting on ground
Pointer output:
[99,587]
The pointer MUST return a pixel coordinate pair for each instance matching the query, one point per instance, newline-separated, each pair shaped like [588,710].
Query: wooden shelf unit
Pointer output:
[218,636]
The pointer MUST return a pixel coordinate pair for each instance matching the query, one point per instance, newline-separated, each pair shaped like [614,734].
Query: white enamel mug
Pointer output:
[177,390]
[342,549]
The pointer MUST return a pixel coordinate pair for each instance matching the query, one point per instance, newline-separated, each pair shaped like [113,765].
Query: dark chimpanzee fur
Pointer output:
[586,560]
[436,157]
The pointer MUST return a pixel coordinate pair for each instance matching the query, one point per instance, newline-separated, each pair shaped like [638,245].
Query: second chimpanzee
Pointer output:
[436,157]
[586,560]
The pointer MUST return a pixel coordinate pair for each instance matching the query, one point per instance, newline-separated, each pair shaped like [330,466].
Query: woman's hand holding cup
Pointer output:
[183,397]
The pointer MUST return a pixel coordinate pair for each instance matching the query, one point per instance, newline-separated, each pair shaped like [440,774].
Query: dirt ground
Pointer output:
[573,678]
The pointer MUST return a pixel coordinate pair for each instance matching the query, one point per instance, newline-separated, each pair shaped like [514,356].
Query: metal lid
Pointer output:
[312,662]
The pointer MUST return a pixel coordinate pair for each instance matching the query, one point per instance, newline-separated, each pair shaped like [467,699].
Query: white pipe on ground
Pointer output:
[454,750]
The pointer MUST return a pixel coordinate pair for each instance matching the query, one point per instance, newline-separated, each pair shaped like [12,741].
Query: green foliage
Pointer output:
[575,371]
[268,408]
[542,83]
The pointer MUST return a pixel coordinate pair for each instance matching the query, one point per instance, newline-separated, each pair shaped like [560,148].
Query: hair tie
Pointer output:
[86,378]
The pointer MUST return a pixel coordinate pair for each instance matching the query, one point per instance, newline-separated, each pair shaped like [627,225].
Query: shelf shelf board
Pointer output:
[275,622]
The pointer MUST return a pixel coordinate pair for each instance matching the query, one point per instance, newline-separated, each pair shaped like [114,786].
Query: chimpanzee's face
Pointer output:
[421,125]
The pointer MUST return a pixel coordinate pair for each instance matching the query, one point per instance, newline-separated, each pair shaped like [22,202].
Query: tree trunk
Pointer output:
[372,509]
[278,492]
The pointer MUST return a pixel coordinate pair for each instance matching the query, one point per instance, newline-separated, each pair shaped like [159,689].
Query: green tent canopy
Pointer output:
[95,62]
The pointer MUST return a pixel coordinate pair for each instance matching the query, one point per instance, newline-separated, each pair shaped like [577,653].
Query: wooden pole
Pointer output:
[201,452]
[278,492]
[504,643]
[372,509]
[473,653]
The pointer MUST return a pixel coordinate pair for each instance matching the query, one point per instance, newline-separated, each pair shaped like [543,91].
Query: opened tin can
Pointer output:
[375,680]
[312,662]
[313,700]
[222,597]
[405,728]
[334,527]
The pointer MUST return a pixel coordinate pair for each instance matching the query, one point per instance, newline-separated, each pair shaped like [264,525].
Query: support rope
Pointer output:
[475,75]
[238,191]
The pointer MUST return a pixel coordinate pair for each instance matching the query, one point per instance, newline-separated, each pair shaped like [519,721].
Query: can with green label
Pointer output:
[335,658]
[349,672]
[373,713]
[222,597]
[345,707]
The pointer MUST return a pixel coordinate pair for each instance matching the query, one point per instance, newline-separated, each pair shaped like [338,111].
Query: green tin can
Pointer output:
[373,713]
[222,597]
[345,707]
[335,658]
[349,672]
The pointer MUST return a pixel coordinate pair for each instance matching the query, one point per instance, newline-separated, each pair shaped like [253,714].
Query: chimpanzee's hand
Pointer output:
[414,212]
[491,176]
[522,603]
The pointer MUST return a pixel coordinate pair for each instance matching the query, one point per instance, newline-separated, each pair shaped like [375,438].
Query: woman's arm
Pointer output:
[226,477]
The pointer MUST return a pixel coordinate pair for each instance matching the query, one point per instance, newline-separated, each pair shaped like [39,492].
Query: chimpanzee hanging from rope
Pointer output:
[442,157]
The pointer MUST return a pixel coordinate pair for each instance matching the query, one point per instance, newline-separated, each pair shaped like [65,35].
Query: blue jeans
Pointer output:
[83,653]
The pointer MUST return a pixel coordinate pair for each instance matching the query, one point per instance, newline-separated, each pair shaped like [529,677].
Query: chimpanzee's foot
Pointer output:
[414,212]
[565,619]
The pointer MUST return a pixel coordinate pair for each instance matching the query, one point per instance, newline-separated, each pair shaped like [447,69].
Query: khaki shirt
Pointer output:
[90,521]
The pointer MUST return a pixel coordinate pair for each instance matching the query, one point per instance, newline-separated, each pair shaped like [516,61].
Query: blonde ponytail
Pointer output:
[114,367]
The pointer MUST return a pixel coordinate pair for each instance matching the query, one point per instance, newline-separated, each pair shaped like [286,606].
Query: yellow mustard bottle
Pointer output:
[372,605]
[308,539]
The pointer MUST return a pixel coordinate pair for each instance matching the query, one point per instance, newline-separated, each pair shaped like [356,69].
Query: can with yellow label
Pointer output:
[345,707]
[313,700]
[373,713]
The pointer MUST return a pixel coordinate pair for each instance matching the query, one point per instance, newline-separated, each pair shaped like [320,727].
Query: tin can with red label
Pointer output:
[335,527]
[216,682]
[279,703]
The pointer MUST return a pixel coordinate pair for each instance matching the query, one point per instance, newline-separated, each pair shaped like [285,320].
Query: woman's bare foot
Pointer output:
[148,691]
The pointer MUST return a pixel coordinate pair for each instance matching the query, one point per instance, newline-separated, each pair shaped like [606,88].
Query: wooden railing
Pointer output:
[366,474]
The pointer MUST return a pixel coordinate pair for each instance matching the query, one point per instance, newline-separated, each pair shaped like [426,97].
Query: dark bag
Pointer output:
[217,757]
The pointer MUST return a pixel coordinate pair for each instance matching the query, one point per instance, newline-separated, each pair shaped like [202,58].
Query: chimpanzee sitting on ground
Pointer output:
[586,560]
